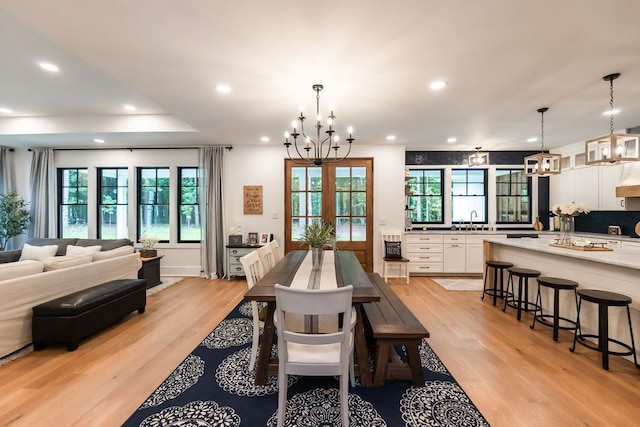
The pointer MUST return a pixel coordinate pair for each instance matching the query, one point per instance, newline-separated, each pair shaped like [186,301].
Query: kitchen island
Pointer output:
[614,271]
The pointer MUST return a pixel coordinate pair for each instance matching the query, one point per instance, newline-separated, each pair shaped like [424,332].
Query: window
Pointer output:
[72,203]
[113,203]
[189,214]
[153,203]
[513,197]
[425,199]
[469,195]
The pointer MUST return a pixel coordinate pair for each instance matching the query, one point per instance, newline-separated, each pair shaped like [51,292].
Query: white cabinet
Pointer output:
[586,187]
[454,253]
[562,187]
[610,177]
[473,254]
[424,252]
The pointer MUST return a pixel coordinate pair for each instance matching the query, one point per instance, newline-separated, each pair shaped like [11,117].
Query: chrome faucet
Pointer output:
[471,219]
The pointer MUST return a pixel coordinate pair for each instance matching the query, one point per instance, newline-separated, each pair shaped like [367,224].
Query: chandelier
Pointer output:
[478,158]
[542,164]
[318,151]
[615,147]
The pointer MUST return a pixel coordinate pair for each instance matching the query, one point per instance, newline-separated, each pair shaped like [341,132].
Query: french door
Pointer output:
[341,194]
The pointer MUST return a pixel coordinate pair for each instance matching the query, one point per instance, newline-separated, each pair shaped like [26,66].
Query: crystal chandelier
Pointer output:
[318,151]
[615,147]
[478,158]
[542,164]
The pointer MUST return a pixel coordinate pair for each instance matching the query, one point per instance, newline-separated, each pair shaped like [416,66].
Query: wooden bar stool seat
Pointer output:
[604,299]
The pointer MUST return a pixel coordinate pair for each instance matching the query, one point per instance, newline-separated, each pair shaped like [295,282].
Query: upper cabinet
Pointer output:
[610,177]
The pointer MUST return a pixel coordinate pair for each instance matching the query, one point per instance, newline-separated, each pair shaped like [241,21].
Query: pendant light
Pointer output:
[542,164]
[615,147]
[478,158]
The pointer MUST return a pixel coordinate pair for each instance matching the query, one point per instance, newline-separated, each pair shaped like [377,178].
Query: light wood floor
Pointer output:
[516,376]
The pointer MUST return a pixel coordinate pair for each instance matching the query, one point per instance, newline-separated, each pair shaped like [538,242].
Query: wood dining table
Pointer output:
[349,271]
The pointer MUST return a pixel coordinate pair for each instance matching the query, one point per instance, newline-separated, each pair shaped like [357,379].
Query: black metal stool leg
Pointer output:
[556,313]
[633,343]
[538,307]
[603,334]
[509,283]
[577,331]
[484,286]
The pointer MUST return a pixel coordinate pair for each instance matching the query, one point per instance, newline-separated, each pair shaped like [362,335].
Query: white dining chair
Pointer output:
[266,258]
[275,248]
[392,254]
[254,272]
[314,354]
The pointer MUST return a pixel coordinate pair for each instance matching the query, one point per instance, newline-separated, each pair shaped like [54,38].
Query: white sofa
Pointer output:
[18,295]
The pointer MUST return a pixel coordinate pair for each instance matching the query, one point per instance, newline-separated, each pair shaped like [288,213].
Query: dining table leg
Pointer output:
[360,344]
[264,358]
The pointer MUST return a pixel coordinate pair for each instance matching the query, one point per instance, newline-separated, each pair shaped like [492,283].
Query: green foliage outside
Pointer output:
[14,216]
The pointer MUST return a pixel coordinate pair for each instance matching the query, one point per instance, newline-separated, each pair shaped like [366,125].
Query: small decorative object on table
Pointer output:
[252,237]
[318,235]
[235,239]
[148,242]
[567,213]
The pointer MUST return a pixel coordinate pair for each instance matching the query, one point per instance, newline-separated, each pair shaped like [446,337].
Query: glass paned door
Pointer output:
[341,194]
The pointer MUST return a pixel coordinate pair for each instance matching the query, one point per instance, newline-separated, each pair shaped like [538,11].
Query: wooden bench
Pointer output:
[73,317]
[390,323]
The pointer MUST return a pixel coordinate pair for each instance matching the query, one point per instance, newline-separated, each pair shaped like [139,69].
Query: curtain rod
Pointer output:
[228,147]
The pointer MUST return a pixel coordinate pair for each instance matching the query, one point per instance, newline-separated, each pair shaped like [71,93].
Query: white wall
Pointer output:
[243,165]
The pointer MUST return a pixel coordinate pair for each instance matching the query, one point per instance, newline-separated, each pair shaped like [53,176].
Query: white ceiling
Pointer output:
[502,60]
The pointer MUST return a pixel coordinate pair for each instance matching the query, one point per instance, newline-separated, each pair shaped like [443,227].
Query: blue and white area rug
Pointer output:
[214,387]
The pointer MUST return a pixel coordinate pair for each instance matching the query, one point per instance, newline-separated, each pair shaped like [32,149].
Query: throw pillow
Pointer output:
[60,262]
[38,253]
[83,250]
[392,250]
[113,253]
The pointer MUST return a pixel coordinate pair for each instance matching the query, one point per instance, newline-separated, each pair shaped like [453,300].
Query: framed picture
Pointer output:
[235,239]
[264,238]
[253,238]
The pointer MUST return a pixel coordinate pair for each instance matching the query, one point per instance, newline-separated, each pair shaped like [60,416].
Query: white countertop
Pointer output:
[618,257]
[543,234]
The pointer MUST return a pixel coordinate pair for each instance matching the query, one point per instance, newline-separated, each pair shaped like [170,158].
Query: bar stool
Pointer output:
[557,284]
[523,275]
[604,299]
[498,269]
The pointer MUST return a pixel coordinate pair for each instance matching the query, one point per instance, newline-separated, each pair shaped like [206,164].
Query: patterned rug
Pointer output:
[460,284]
[214,387]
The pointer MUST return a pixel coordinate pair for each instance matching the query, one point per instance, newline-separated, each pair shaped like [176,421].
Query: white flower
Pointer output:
[148,242]
[570,209]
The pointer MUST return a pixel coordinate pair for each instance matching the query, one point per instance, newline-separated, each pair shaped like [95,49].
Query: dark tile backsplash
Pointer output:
[598,221]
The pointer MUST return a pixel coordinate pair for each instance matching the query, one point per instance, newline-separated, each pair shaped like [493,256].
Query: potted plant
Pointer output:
[14,217]
[148,242]
[318,235]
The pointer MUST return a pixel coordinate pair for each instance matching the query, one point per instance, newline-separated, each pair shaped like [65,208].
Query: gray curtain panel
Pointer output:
[6,171]
[210,163]
[43,193]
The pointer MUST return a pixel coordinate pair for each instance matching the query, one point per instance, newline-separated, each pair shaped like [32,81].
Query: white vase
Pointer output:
[317,255]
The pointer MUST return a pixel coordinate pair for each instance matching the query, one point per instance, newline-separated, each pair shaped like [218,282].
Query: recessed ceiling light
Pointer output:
[129,107]
[49,67]
[452,140]
[438,84]
[264,138]
[534,139]
[223,88]
[6,111]
[391,137]
[99,141]
[611,112]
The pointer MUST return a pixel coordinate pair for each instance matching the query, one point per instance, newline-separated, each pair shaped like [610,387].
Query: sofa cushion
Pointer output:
[60,262]
[83,250]
[10,256]
[16,269]
[38,253]
[121,251]
[62,243]
[107,244]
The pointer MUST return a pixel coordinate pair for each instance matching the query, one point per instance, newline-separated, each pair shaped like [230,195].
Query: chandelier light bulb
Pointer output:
[611,112]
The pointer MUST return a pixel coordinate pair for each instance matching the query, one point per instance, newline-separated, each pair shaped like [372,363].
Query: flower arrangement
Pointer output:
[148,242]
[569,209]
[319,235]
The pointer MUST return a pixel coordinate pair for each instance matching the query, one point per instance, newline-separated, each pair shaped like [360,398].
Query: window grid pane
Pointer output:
[72,203]
[425,200]
[513,197]
[113,205]
[469,195]
[153,203]
[188,205]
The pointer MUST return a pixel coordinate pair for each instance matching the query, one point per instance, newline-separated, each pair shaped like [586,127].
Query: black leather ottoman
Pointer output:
[73,317]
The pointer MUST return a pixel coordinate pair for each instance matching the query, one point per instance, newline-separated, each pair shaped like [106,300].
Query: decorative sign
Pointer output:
[252,199]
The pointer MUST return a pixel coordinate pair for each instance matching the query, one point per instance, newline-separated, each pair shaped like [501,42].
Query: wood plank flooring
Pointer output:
[516,376]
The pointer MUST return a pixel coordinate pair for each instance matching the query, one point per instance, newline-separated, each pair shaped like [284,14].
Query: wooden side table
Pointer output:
[150,270]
